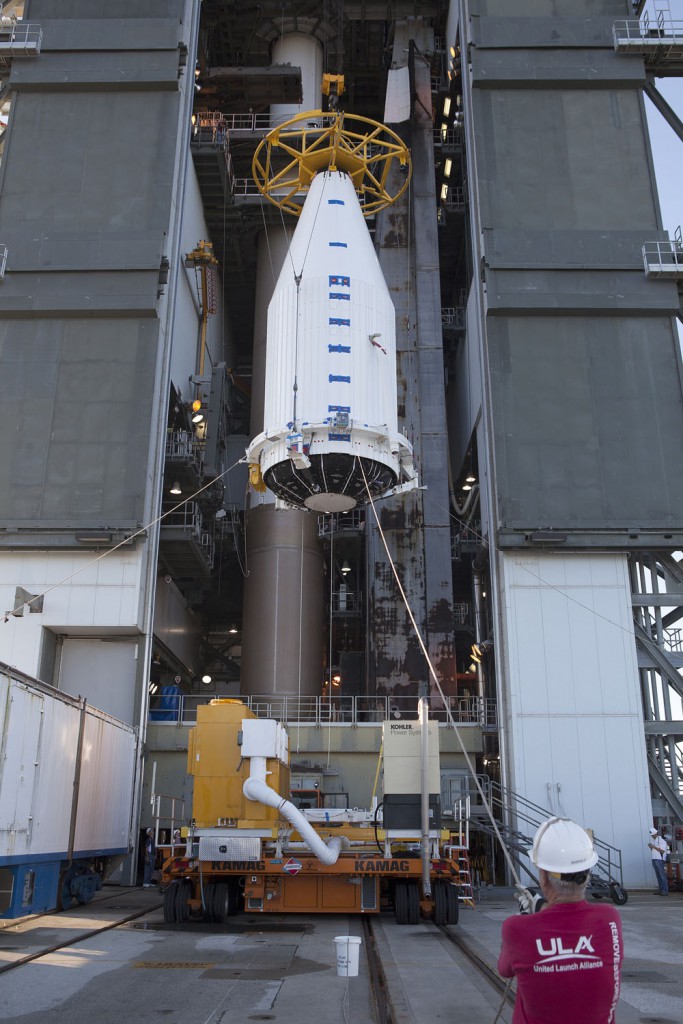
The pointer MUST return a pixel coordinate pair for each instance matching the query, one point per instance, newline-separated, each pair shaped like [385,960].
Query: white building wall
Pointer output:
[572,701]
[84,593]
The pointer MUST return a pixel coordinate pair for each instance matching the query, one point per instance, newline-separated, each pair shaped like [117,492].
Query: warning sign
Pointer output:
[292,866]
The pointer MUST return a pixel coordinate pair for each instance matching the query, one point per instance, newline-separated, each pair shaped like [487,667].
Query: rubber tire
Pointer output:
[183,894]
[619,895]
[169,903]
[413,902]
[209,893]
[597,895]
[221,902]
[401,903]
[452,904]
[234,897]
[440,903]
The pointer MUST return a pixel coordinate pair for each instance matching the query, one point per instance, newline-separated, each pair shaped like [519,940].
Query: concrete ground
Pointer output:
[283,968]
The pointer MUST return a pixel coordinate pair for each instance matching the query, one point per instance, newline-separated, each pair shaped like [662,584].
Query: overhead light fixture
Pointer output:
[471,479]
[176,489]
[346,568]
[206,678]
[447,106]
[452,51]
[467,487]
[233,629]
[336,680]
[197,414]
[152,688]
[447,167]
[444,192]
[444,130]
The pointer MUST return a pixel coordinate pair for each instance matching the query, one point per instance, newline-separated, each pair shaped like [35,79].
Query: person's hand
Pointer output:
[529,902]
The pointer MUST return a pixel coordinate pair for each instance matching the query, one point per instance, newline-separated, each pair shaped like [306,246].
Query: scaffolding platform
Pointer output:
[658,40]
[664,259]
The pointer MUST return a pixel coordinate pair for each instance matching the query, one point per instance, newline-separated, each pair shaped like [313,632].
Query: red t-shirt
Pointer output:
[567,961]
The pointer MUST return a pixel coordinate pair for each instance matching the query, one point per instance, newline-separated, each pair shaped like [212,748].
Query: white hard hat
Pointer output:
[653,831]
[563,847]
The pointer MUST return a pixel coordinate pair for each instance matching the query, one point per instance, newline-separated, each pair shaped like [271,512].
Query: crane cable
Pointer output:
[435,678]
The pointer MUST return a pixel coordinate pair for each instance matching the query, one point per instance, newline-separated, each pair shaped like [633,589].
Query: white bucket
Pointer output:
[348,951]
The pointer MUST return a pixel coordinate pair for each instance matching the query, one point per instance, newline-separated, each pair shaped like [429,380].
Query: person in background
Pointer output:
[567,957]
[149,854]
[659,849]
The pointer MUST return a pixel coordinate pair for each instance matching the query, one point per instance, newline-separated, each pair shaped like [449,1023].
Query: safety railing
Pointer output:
[664,259]
[19,38]
[339,710]
[448,139]
[454,197]
[182,446]
[189,520]
[453,318]
[347,602]
[660,37]
[340,522]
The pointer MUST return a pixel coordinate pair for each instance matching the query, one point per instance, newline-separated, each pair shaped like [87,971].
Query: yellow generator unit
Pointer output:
[215,760]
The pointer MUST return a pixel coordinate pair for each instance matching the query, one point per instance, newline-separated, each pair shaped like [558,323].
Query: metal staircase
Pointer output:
[518,820]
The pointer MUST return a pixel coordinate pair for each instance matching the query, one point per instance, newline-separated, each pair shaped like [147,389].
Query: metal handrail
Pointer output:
[20,38]
[338,710]
[642,34]
[664,257]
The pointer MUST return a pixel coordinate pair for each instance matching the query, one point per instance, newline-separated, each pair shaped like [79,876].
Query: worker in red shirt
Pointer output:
[567,958]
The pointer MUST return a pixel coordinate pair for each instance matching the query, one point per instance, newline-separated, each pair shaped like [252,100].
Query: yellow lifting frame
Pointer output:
[291,155]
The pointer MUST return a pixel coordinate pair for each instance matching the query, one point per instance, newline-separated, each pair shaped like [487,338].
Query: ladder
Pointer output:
[466,893]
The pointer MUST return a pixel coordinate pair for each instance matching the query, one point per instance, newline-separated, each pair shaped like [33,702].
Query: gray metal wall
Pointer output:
[85,208]
[583,359]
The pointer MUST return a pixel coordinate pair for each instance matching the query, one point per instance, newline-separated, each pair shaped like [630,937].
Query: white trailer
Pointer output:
[67,775]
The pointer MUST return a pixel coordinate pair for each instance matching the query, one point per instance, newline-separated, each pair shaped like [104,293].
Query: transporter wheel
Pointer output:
[597,895]
[169,903]
[234,897]
[452,904]
[619,895]
[221,902]
[440,903]
[413,903]
[209,894]
[182,907]
[401,903]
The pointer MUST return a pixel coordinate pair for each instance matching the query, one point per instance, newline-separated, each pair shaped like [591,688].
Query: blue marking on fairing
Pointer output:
[338,348]
[340,295]
[339,279]
[338,437]
[339,408]
[338,245]
[337,321]
[336,202]
[334,378]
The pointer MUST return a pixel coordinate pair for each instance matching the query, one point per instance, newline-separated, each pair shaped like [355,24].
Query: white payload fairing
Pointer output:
[330,436]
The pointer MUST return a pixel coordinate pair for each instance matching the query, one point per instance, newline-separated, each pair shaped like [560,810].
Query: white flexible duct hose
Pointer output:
[256,788]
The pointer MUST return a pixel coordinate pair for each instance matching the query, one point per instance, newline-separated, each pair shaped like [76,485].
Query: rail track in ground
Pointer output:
[395,960]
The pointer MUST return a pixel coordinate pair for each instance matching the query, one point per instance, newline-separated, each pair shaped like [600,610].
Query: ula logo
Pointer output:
[558,952]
